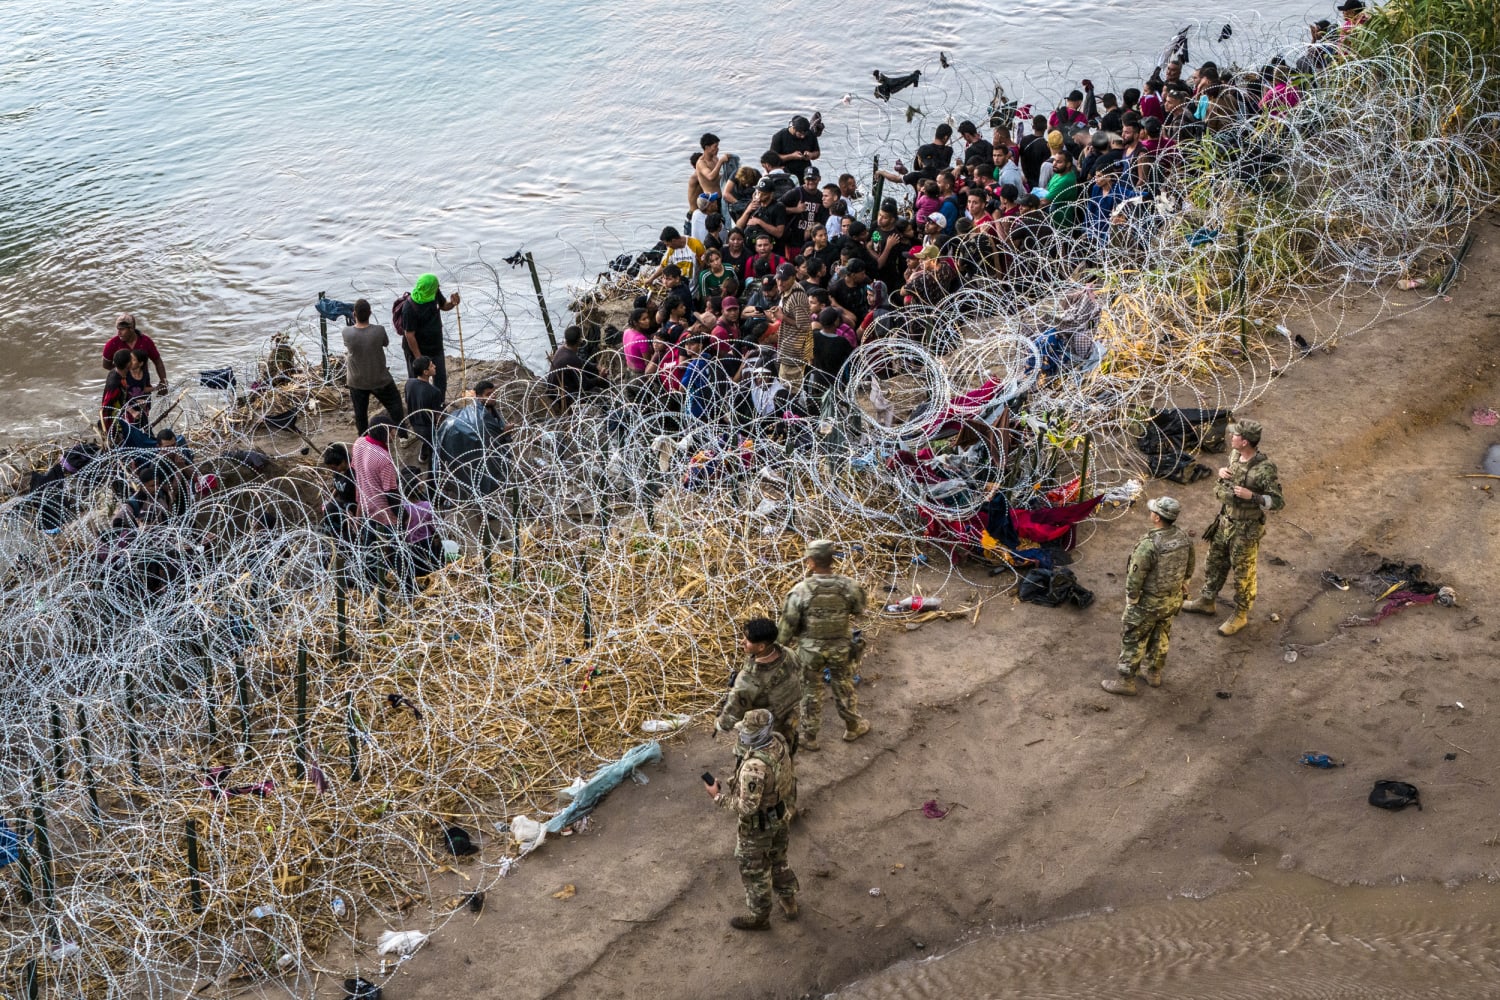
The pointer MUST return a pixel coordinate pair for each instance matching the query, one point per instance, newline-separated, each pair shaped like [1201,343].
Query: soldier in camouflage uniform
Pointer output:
[1247,488]
[764,780]
[771,678]
[816,618]
[1156,581]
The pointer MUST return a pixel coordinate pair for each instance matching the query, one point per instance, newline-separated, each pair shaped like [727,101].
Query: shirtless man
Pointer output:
[709,164]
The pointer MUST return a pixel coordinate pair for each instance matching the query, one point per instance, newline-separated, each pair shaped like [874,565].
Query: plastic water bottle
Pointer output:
[263,911]
[339,909]
[666,725]
[915,602]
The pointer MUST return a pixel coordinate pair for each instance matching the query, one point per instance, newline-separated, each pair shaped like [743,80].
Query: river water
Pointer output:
[212,167]
[1283,937]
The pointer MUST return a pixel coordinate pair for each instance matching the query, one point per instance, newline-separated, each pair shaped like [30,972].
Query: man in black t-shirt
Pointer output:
[1034,151]
[797,146]
[804,205]
[765,216]
[931,159]
[976,150]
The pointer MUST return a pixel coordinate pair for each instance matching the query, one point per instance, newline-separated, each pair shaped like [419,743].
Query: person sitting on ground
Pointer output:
[341,509]
[569,376]
[425,406]
[420,551]
[128,338]
[367,374]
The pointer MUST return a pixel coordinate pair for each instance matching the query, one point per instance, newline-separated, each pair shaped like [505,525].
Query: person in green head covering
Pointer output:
[421,325]
[425,290]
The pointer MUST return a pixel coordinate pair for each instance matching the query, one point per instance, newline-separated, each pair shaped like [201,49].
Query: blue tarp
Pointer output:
[602,783]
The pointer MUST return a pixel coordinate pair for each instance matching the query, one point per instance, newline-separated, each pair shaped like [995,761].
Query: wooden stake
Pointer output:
[353,732]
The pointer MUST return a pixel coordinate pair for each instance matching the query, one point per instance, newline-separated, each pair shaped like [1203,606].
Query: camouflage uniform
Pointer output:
[1234,537]
[1156,581]
[764,781]
[776,686]
[816,616]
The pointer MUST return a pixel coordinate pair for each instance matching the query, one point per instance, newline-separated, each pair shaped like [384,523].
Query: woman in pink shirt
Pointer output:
[635,344]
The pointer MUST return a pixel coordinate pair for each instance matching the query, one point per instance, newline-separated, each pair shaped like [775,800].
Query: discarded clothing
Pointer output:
[1169,439]
[1395,795]
[932,810]
[1050,524]
[601,783]
[1054,587]
[332,309]
[888,85]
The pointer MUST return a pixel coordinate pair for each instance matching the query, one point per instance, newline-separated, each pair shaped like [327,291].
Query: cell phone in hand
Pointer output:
[709,779]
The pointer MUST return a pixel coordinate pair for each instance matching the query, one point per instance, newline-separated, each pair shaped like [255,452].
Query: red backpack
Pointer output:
[398,313]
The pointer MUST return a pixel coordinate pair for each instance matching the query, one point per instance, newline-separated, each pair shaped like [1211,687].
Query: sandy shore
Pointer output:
[1065,799]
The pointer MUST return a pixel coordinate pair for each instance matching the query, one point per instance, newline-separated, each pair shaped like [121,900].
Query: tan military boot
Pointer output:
[789,908]
[1119,685]
[1235,622]
[750,922]
[1201,605]
[1153,677]
[860,728]
[808,743]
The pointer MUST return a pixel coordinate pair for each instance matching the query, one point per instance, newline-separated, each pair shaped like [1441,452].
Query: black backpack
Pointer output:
[1395,795]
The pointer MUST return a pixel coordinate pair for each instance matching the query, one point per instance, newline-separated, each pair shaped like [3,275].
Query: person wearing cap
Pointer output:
[761,794]
[1320,50]
[797,146]
[421,326]
[1069,113]
[1156,581]
[680,253]
[1247,488]
[765,215]
[807,208]
[128,337]
[794,333]
[816,617]
[726,333]
[771,678]
[976,148]
[1354,16]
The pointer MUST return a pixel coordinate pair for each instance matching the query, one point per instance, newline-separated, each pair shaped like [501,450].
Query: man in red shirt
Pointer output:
[128,338]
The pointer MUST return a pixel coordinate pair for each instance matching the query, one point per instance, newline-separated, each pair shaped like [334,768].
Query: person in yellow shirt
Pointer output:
[681,252]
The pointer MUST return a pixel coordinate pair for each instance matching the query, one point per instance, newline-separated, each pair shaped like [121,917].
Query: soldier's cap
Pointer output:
[820,549]
[1247,429]
[1165,506]
[755,720]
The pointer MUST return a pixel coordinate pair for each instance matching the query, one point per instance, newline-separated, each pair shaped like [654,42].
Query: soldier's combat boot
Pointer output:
[750,922]
[1153,677]
[789,907]
[1235,622]
[808,743]
[1119,685]
[1200,605]
[860,728]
